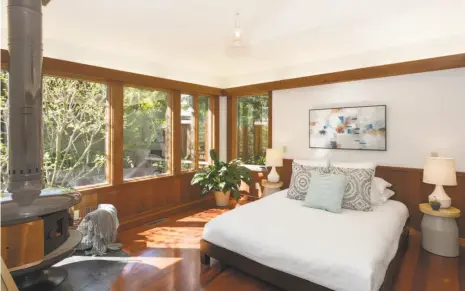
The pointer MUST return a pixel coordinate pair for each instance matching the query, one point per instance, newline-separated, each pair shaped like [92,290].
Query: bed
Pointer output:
[299,248]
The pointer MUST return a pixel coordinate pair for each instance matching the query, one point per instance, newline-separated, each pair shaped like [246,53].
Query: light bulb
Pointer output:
[237,33]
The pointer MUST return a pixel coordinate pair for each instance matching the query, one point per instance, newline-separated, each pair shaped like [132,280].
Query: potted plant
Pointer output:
[435,204]
[223,179]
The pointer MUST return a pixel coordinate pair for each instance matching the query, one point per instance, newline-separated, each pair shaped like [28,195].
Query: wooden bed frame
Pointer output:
[287,281]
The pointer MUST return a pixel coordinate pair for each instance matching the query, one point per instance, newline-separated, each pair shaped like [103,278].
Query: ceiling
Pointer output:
[191,40]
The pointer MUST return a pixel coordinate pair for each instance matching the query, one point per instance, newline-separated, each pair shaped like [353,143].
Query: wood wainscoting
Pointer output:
[406,182]
[143,200]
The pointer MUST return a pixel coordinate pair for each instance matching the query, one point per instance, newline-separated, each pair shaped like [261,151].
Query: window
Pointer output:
[252,129]
[3,125]
[75,127]
[187,132]
[205,131]
[74,132]
[147,132]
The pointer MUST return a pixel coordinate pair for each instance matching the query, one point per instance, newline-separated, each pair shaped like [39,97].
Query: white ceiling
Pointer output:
[189,40]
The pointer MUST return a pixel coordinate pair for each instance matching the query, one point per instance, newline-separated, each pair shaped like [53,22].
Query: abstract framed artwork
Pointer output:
[349,128]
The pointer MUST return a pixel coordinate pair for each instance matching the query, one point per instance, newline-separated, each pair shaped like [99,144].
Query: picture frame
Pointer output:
[349,128]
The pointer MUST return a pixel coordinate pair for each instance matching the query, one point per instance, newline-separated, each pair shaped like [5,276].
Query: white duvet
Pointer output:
[347,251]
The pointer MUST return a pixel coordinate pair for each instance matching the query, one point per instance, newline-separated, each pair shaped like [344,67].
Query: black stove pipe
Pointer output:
[25,100]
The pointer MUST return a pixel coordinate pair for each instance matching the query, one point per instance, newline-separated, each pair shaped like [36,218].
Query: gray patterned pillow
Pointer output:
[300,179]
[357,193]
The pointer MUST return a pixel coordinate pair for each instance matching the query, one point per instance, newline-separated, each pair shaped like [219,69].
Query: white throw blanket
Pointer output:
[99,229]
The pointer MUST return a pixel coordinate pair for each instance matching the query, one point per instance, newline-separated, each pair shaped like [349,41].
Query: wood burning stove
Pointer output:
[34,221]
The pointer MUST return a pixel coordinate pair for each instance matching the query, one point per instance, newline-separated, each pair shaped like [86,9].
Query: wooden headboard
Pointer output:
[406,182]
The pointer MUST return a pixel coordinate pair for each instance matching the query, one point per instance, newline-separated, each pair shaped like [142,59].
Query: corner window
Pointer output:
[205,131]
[3,133]
[147,132]
[252,129]
[187,132]
[75,130]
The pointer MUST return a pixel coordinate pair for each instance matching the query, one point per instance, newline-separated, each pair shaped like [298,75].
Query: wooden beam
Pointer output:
[69,69]
[410,67]
[115,138]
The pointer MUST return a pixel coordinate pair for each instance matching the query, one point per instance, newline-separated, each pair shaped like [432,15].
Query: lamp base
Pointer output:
[440,195]
[273,176]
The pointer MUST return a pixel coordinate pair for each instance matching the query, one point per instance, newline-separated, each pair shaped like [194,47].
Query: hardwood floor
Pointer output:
[166,257]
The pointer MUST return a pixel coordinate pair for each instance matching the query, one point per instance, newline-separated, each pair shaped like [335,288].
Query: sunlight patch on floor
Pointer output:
[158,262]
[204,216]
[173,237]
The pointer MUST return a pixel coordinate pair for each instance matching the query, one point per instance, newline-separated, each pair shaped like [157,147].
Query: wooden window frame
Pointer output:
[120,153]
[232,121]
[213,128]
[116,81]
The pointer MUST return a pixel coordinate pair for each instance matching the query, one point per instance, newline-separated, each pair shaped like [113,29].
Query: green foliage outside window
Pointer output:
[252,129]
[146,132]
[74,131]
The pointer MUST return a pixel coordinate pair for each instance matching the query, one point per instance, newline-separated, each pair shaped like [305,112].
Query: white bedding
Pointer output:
[347,251]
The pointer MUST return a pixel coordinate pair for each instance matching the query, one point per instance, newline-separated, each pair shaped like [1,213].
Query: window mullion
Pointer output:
[115,133]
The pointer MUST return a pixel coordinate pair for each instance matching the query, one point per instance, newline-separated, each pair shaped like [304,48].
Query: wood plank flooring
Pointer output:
[166,257]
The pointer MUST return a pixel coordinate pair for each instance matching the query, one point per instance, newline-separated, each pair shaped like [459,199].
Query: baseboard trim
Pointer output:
[147,216]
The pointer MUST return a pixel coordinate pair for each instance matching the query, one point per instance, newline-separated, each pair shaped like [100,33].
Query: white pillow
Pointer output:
[388,193]
[379,191]
[380,184]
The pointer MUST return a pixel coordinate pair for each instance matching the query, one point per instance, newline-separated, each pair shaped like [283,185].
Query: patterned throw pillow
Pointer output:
[300,179]
[357,194]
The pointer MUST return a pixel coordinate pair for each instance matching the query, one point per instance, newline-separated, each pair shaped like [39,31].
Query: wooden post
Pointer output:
[115,138]
[176,125]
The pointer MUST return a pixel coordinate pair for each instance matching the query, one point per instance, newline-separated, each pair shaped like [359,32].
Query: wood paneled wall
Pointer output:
[139,200]
[406,182]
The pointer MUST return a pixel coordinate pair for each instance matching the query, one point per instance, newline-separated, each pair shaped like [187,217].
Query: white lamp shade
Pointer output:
[274,158]
[439,171]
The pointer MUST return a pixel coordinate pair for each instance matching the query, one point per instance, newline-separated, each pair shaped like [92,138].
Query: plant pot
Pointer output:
[222,199]
[435,206]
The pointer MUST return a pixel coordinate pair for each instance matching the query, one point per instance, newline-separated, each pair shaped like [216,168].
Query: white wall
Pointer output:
[425,113]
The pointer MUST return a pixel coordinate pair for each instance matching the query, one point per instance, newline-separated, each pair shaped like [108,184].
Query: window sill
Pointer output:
[189,172]
[147,178]
[256,168]
[92,187]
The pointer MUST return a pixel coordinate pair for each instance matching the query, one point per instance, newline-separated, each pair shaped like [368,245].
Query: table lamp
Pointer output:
[274,158]
[440,171]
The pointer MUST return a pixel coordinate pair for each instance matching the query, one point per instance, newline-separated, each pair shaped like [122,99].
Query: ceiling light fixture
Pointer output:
[237,32]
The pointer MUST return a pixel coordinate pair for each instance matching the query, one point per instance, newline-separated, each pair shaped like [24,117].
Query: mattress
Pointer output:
[348,251]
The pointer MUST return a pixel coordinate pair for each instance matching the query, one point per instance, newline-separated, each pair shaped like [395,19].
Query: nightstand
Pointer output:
[439,230]
[270,187]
